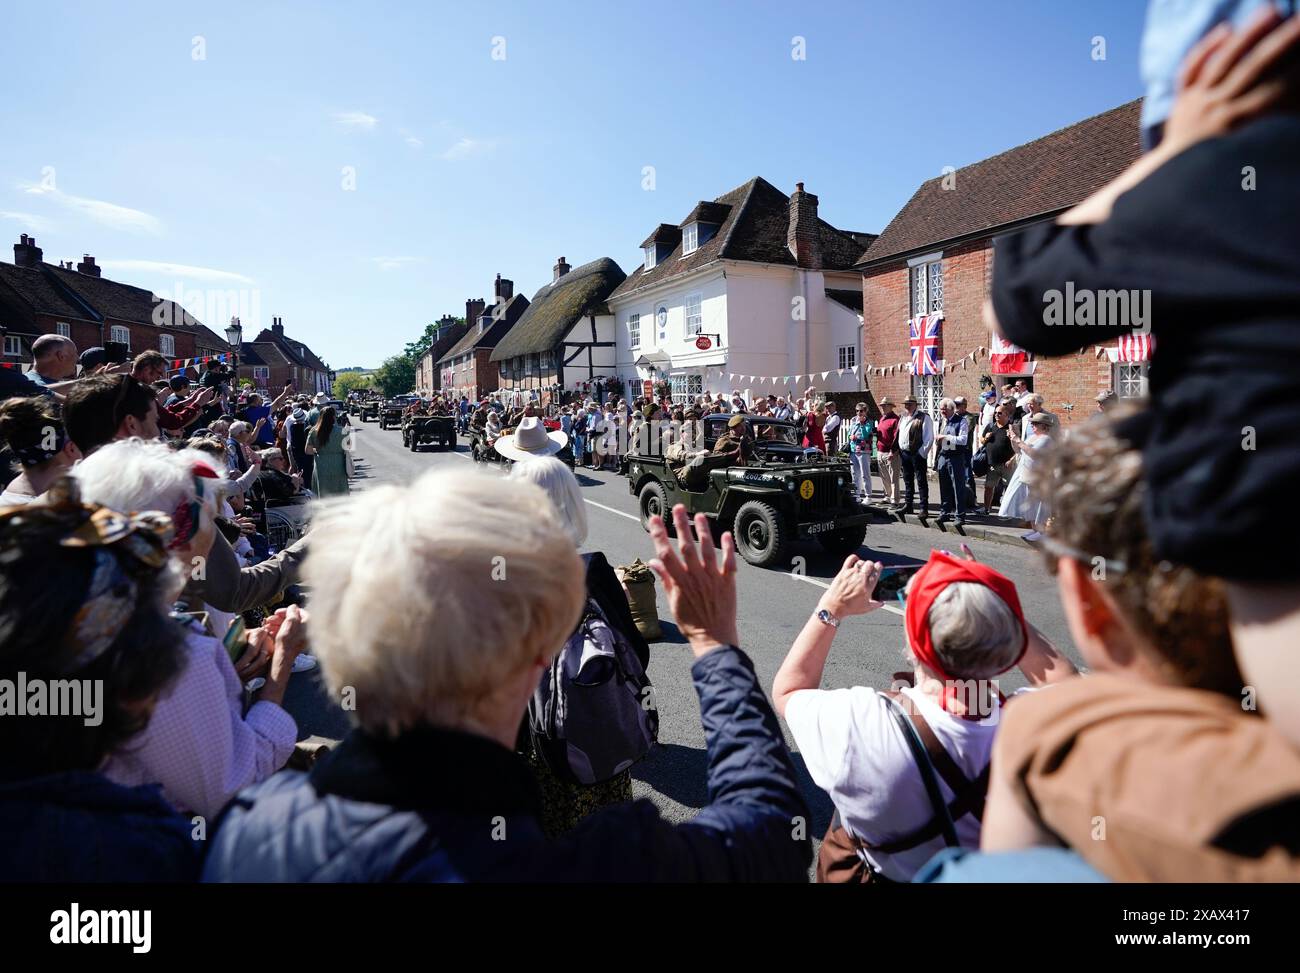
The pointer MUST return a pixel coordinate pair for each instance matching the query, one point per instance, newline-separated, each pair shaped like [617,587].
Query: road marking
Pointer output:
[823,584]
[612,510]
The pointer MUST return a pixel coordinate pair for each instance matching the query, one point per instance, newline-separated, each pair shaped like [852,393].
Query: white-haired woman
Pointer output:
[964,627]
[564,804]
[1020,501]
[200,745]
[449,597]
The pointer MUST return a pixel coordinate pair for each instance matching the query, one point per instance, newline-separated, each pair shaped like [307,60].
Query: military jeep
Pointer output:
[391,411]
[786,493]
[418,430]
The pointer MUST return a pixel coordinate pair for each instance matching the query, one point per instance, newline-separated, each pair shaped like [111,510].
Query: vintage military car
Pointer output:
[420,430]
[787,493]
[484,452]
[481,450]
[391,411]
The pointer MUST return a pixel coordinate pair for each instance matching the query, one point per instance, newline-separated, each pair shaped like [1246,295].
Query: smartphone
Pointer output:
[236,639]
[115,352]
[893,580]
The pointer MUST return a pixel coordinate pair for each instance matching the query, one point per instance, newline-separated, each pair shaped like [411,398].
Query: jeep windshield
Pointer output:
[771,432]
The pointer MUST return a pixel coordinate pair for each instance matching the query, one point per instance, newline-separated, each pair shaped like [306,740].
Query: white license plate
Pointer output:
[821,528]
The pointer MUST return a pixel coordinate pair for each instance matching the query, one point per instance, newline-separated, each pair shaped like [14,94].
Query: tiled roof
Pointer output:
[1037,179]
[35,290]
[664,233]
[248,356]
[208,338]
[514,310]
[294,352]
[754,228]
[706,212]
[126,302]
[849,298]
[556,307]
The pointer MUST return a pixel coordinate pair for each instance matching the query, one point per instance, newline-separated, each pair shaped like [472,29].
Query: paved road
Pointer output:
[773,604]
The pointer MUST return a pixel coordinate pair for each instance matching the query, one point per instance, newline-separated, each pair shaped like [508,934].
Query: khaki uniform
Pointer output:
[730,443]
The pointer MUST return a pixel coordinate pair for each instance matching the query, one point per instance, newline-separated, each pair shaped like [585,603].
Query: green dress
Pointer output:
[329,475]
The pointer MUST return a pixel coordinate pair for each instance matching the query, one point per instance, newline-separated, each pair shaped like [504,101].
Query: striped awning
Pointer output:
[1132,348]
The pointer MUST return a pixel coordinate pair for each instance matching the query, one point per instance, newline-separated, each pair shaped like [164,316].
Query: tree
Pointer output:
[348,381]
[395,376]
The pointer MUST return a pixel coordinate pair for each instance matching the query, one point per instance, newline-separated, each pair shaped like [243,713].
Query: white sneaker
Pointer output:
[1033,537]
[304,663]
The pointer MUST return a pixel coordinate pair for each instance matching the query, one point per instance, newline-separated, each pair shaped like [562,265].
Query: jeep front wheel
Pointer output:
[654,503]
[843,542]
[760,534]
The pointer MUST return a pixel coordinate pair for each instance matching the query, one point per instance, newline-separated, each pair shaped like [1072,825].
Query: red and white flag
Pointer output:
[1132,348]
[1006,358]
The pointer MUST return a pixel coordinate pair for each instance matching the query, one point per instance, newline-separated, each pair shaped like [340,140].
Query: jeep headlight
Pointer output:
[789,484]
[839,481]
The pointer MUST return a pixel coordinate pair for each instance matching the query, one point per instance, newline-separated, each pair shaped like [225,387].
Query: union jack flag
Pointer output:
[923,336]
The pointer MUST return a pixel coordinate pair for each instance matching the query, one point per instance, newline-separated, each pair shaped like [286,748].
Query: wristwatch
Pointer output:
[826,618]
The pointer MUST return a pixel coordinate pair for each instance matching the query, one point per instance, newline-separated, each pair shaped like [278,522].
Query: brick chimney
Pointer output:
[473,309]
[88,266]
[27,253]
[505,289]
[277,327]
[561,268]
[803,237]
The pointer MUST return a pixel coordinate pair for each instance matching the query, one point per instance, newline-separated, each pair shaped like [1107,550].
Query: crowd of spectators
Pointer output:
[135,576]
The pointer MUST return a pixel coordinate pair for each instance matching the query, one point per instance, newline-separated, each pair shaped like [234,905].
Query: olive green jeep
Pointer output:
[786,493]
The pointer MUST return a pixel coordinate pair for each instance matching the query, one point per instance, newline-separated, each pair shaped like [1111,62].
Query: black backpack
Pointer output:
[594,713]
[915,432]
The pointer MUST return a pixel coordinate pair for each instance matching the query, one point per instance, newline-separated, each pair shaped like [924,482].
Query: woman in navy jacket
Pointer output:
[428,787]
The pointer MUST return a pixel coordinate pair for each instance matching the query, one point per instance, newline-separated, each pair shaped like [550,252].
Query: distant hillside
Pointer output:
[354,368]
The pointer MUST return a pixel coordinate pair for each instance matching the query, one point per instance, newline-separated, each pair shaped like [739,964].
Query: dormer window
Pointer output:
[650,257]
[690,239]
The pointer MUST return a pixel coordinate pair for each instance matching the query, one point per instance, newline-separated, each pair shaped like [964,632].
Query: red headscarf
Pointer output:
[928,583]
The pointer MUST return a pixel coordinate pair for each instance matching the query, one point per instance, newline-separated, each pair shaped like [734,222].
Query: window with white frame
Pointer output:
[63,329]
[694,314]
[13,345]
[650,257]
[848,356]
[928,390]
[685,387]
[167,345]
[690,239]
[261,373]
[1129,379]
[634,331]
[121,335]
[927,287]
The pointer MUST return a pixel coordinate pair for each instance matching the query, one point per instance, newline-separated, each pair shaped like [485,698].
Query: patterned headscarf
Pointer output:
[127,548]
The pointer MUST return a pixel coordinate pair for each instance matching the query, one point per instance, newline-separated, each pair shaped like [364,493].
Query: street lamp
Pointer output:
[235,339]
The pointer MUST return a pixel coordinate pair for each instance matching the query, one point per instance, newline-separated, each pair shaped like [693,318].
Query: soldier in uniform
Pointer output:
[736,441]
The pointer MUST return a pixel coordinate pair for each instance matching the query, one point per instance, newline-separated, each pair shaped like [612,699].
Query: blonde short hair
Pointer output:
[438,593]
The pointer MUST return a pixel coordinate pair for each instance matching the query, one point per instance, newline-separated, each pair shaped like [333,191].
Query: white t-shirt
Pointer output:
[856,752]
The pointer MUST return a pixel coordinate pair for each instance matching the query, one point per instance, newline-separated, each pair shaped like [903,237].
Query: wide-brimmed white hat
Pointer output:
[321,398]
[530,440]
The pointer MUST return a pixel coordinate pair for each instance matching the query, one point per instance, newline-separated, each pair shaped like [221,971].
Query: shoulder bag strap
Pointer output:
[943,816]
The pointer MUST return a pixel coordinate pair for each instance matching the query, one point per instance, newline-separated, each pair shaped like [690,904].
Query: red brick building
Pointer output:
[467,368]
[936,258]
[78,302]
[428,376]
[273,358]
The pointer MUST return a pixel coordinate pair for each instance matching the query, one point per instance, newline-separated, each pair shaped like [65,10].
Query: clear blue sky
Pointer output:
[467,166]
